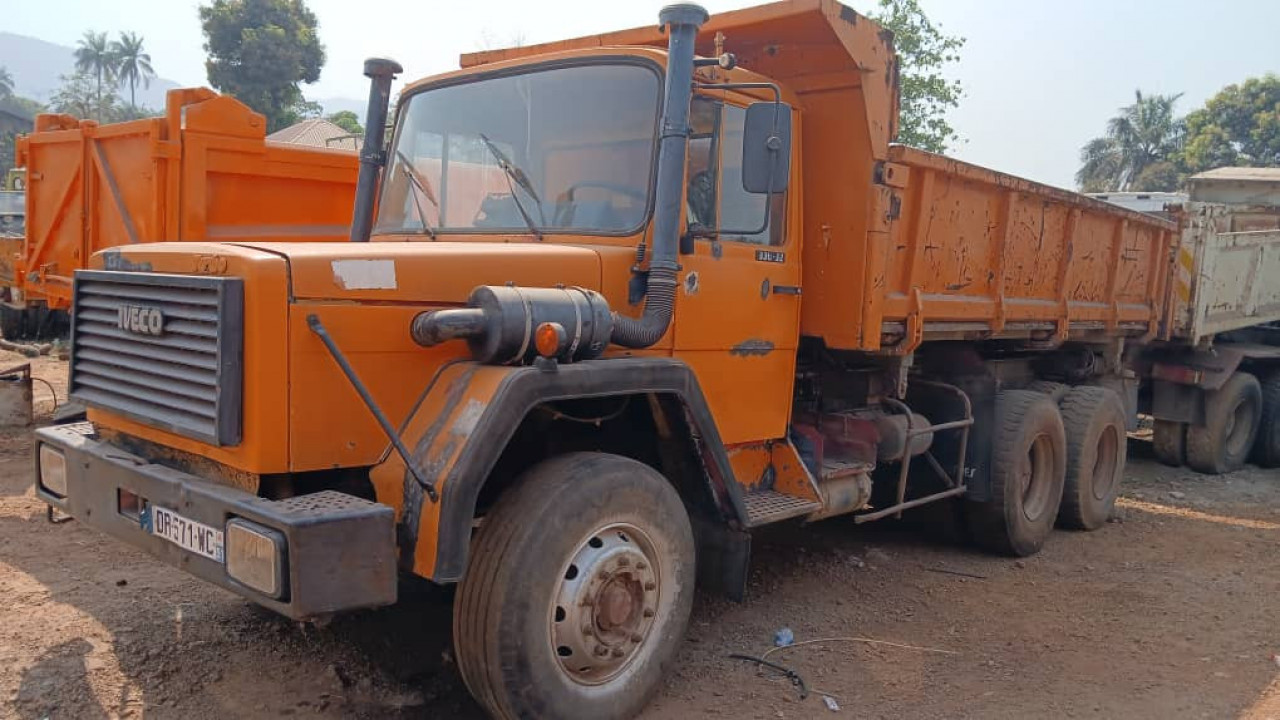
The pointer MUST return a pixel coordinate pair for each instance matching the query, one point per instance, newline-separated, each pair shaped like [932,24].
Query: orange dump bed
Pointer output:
[970,252]
[203,172]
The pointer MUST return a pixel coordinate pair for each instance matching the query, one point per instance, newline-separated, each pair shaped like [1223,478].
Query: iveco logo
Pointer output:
[140,319]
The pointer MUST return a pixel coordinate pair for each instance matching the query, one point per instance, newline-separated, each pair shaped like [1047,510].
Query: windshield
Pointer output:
[569,148]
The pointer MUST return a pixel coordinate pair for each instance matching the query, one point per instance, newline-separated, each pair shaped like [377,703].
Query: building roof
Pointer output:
[316,132]
[1256,174]
[14,110]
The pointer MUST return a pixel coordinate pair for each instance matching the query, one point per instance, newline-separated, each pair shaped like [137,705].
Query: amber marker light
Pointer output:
[549,339]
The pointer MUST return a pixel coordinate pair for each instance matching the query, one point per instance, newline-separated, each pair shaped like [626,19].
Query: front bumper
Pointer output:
[340,549]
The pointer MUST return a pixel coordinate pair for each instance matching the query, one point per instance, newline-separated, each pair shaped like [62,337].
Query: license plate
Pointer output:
[186,533]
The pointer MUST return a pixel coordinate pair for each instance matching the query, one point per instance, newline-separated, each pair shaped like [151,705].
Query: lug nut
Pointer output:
[602,650]
[642,565]
[648,612]
[624,561]
[651,585]
[604,575]
[617,652]
[587,630]
[636,637]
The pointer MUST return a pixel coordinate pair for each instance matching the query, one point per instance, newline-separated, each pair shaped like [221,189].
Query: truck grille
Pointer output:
[163,350]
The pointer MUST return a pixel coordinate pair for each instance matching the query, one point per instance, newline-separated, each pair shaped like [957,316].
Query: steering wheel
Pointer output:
[565,203]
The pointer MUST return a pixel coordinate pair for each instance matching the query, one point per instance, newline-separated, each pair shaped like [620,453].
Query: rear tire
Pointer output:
[1169,442]
[1055,390]
[1266,448]
[1028,468]
[577,592]
[1232,414]
[1093,418]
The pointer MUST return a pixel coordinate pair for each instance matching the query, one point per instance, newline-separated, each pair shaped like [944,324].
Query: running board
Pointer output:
[769,506]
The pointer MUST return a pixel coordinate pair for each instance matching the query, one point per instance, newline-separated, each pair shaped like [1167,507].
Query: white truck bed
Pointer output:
[1226,270]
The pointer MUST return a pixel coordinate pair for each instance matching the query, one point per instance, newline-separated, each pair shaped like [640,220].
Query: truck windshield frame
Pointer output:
[582,133]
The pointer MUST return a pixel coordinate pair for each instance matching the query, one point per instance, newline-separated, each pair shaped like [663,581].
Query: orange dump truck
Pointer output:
[611,304]
[201,172]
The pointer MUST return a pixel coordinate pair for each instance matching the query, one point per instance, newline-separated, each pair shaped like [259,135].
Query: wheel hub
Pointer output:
[606,604]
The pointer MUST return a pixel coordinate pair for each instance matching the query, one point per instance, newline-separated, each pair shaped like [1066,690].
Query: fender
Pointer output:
[468,414]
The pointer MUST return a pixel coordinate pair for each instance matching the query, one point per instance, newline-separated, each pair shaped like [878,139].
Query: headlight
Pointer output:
[256,556]
[53,471]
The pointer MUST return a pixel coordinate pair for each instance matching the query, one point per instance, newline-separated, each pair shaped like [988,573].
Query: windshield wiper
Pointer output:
[421,190]
[514,173]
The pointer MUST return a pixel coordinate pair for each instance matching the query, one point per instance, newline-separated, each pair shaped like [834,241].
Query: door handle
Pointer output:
[786,289]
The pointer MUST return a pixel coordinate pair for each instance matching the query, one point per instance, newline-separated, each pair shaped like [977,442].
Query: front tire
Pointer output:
[578,591]
[1028,467]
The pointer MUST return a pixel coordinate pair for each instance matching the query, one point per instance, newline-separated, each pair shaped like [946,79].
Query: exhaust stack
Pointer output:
[380,72]
[682,23]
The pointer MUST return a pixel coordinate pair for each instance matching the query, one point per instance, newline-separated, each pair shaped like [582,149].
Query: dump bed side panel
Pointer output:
[234,189]
[1227,270]
[975,253]
[203,172]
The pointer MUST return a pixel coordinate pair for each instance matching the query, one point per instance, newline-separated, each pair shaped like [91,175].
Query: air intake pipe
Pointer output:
[380,72]
[682,23]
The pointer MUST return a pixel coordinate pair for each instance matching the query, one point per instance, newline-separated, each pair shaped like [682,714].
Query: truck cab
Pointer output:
[609,304]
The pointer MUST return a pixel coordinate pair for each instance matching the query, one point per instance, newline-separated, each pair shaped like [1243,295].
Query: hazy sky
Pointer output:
[1040,76]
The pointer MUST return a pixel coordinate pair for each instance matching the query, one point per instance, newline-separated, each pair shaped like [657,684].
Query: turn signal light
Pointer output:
[549,339]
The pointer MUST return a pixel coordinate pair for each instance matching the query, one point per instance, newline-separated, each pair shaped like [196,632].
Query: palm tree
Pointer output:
[94,55]
[6,82]
[1142,137]
[133,66]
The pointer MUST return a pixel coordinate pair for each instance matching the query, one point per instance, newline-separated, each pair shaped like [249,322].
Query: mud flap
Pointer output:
[724,556]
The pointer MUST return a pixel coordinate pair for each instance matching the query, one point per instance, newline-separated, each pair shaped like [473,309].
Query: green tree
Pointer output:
[133,65]
[347,120]
[25,105]
[94,56]
[1238,126]
[6,82]
[79,95]
[259,52]
[1139,150]
[923,51]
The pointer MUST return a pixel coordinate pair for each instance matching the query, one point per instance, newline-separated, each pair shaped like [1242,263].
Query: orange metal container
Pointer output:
[204,171]
[971,252]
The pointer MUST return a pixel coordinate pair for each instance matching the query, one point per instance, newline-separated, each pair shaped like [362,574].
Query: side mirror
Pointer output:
[766,148]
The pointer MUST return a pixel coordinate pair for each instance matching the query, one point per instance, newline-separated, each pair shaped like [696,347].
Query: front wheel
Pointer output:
[577,592]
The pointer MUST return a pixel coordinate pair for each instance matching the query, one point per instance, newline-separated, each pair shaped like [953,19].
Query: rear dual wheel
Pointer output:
[1266,448]
[577,592]
[1233,414]
[1097,446]
[1028,469]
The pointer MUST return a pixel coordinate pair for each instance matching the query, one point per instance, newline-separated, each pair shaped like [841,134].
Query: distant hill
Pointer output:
[36,64]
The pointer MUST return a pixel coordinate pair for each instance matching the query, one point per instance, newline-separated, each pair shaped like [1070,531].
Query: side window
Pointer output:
[740,210]
[714,195]
[704,122]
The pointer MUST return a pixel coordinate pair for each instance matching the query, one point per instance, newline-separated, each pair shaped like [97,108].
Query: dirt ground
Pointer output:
[1167,612]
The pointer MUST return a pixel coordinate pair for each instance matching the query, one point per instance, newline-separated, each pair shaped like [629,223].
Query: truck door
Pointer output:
[738,307]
